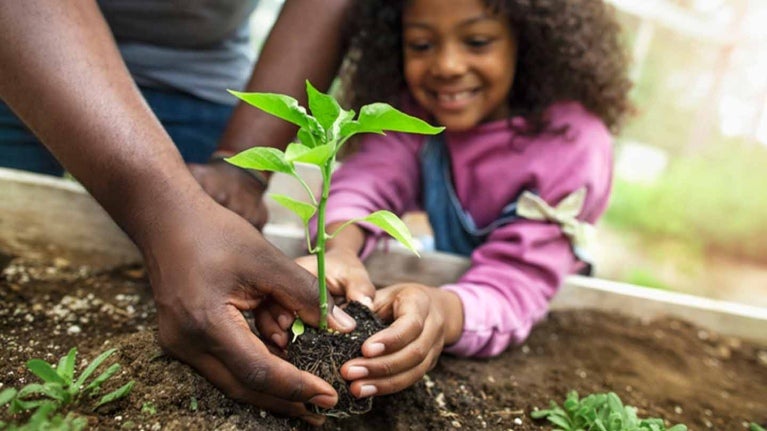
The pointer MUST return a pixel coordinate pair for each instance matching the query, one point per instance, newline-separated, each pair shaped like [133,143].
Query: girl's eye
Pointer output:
[418,46]
[478,42]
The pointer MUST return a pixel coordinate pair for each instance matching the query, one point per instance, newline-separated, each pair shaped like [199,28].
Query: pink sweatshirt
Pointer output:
[515,273]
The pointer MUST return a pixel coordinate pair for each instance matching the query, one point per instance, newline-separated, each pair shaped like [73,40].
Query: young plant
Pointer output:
[599,412]
[321,136]
[59,389]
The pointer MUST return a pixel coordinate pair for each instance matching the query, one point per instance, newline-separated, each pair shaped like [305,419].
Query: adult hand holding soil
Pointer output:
[70,86]
[233,188]
[204,272]
[424,320]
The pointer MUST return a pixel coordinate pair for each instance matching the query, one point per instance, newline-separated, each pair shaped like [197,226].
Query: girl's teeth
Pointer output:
[451,97]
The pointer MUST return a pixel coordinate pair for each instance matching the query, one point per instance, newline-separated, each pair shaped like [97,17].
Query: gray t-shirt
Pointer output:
[200,47]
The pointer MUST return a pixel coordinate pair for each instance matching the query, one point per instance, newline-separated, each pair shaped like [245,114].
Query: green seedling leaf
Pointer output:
[380,117]
[44,371]
[193,406]
[66,367]
[41,416]
[599,412]
[262,159]
[392,225]
[323,107]
[92,367]
[95,385]
[753,426]
[297,328]
[6,396]
[309,139]
[316,156]
[115,395]
[302,209]
[279,105]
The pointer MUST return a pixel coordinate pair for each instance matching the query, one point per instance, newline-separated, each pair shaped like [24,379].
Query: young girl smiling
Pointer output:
[528,91]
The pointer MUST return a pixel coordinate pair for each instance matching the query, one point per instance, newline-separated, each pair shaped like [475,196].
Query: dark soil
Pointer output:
[667,368]
[323,353]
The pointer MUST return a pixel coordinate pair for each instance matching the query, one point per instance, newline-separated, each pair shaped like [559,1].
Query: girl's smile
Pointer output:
[459,60]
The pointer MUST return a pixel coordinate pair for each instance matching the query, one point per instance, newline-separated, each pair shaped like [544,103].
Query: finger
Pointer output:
[411,356]
[292,287]
[308,263]
[213,370]
[391,384]
[251,364]
[359,287]
[409,308]
[269,320]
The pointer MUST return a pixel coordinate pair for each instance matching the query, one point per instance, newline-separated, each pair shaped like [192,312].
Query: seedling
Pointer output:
[599,412]
[322,134]
[59,389]
[753,426]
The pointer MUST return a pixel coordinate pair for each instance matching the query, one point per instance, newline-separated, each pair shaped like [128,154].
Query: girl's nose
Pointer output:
[448,63]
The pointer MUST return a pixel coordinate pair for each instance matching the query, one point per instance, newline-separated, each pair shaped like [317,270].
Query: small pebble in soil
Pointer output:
[517,421]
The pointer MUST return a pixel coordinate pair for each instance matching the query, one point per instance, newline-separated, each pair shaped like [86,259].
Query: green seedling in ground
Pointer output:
[753,426]
[322,134]
[60,388]
[599,412]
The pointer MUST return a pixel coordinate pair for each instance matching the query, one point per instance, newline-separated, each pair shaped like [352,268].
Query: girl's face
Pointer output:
[459,60]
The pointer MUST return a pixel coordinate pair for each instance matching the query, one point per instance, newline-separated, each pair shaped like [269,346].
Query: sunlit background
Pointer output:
[689,207]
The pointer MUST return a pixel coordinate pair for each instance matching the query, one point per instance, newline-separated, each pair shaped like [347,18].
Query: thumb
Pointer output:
[300,293]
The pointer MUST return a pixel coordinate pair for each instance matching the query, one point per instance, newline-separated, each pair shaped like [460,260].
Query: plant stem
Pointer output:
[321,238]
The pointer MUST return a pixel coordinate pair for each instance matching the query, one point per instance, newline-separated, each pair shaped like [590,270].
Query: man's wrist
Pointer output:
[261,178]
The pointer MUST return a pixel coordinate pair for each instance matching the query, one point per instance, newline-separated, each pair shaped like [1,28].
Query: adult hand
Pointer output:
[233,188]
[207,268]
[346,278]
[424,320]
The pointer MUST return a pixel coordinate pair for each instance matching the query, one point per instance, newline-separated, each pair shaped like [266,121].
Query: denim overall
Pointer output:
[454,229]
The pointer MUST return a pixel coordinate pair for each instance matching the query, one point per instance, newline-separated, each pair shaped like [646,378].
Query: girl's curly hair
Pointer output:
[568,50]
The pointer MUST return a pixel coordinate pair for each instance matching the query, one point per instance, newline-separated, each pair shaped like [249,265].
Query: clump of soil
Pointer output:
[322,353]
[666,368]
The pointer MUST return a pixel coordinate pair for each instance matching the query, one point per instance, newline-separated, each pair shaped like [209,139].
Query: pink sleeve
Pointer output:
[520,267]
[382,175]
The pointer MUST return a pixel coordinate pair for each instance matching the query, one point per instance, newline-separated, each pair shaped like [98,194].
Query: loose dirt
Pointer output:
[666,368]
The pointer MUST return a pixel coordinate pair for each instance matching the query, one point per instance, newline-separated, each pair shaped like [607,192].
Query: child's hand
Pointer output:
[425,319]
[345,274]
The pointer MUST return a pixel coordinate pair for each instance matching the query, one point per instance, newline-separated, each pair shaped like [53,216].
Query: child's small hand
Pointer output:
[345,274]
[424,320]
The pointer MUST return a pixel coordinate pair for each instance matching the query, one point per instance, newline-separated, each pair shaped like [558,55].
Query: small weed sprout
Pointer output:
[321,136]
[60,388]
[599,412]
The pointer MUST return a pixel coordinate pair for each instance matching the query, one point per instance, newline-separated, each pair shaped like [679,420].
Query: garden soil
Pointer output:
[666,368]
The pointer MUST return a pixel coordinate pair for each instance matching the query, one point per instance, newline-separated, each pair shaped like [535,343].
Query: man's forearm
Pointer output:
[62,74]
[305,43]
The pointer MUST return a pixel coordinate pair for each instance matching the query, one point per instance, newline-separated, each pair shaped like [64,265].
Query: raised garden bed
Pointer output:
[55,295]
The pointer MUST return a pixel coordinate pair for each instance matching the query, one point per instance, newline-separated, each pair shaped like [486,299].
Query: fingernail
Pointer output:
[343,319]
[375,349]
[368,391]
[367,302]
[357,372]
[325,401]
[284,321]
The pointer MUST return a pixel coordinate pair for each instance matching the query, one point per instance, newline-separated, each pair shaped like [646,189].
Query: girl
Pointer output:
[528,91]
